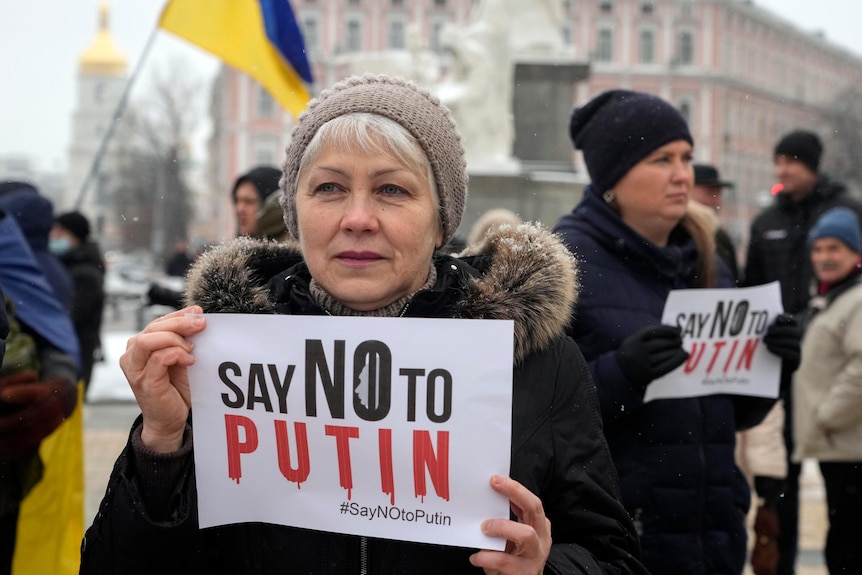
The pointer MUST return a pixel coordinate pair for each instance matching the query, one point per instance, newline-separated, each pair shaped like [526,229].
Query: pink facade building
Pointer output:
[248,127]
[741,75]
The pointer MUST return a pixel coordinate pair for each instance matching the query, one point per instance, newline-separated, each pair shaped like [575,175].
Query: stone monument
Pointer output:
[509,80]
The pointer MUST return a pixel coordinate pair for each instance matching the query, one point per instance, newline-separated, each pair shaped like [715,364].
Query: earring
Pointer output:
[609,197]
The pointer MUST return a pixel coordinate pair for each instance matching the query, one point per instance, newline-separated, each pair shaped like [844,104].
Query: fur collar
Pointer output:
[524,273]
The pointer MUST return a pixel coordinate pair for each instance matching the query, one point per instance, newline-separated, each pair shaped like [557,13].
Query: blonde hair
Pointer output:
[701,223]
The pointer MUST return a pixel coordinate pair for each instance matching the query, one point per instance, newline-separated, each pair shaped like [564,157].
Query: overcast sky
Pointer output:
[41,41]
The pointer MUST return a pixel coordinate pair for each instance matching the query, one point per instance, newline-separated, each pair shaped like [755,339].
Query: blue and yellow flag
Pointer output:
[259,37]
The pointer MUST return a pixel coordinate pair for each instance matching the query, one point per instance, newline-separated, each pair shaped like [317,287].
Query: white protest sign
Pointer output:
[383,427]
[722,329]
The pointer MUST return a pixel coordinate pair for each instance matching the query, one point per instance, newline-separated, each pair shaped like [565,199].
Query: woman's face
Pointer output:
[368,227]
[652,197]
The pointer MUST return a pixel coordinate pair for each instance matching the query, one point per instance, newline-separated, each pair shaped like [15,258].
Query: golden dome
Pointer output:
[102,58]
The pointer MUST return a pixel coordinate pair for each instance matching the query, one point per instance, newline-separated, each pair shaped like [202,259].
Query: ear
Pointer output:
[438,240]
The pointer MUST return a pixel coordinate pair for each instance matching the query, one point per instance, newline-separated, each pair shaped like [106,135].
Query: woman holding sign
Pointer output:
[374,186]
[637,237]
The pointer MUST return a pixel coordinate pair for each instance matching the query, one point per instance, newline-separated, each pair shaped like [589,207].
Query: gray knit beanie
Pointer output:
[419,112]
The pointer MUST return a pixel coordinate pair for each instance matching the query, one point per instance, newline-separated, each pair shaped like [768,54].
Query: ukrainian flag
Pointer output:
[259,37]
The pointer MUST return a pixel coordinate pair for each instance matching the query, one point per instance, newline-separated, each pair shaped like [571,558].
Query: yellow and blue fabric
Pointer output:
[259,37]
[25,284]
[51,517]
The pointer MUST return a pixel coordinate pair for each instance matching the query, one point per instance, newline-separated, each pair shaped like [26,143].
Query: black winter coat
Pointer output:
[778,245]
[558,450]
[675,457]
[87,269]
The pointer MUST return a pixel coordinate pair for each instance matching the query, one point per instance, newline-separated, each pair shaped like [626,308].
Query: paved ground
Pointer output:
[111,411]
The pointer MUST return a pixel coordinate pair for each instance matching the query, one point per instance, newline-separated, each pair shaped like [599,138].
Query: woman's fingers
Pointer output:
[155,364]
[528,541]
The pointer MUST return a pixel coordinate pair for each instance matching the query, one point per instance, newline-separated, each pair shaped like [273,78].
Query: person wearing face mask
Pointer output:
[70,240]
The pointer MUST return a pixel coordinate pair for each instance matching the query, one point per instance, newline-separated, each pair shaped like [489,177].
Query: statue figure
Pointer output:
[480,84]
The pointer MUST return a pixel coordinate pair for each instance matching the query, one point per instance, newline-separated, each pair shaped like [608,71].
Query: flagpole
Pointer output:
[115,119]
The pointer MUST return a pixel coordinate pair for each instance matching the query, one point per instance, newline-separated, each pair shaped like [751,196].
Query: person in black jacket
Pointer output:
[637,237]
[70,240]
[375,184]
[778,251]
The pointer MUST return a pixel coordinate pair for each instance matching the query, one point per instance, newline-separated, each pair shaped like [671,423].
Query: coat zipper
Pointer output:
[363,556]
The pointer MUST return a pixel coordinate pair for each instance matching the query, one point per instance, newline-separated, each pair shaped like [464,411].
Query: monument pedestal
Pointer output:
[544,186]
[541,196]
[543,98]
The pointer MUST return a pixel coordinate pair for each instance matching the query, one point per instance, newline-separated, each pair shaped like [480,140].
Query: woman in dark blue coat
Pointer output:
[637,238]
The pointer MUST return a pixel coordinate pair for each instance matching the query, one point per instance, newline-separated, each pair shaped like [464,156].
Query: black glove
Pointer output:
[770,489]
[160,295]
[651,353]
[782,338]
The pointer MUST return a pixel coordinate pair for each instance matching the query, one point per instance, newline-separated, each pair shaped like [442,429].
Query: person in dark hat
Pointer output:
[637,237]
[707,191]
[249,192]
[70,240]
[778,251]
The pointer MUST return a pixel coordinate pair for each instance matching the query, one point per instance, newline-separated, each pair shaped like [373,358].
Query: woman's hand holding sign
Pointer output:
[155,363]
[528,540]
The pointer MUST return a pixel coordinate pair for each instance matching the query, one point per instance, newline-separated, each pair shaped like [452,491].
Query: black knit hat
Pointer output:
[803,146]
[707,175]
[265,179]
[619,128]
[77,224]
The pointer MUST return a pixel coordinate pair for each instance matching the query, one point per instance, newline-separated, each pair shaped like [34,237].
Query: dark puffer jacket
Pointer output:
[675,457]
[87,268]
[778,247]
[558,449]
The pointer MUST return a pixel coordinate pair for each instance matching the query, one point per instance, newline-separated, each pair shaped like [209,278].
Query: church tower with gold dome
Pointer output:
[102,76]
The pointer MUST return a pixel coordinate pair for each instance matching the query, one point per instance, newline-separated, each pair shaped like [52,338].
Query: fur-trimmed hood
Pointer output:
[523,273]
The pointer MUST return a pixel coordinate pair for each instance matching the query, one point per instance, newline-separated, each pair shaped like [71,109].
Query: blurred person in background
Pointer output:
[180,261]
[35,216]
[249,192]
[38,392]
[778,251]
[637,237]
[252,190]
[760,450]
[270,221]
[490,221]
[70,240]
[707,190]
[827,387]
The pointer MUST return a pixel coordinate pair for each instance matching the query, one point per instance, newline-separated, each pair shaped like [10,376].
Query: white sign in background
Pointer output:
[722,329]
[240,357]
